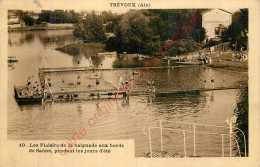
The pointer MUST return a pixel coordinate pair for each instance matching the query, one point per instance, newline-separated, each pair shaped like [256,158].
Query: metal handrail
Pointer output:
[184,136]
[184,130]
[188,123]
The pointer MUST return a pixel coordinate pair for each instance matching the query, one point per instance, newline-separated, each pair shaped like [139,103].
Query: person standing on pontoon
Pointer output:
[28,82]
[148,86]
[153,87]
[218,57]
[210,60]
[36,88]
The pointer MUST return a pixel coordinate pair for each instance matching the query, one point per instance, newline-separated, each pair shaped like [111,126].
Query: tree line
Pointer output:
[48,16]
[145,31]
[141,31]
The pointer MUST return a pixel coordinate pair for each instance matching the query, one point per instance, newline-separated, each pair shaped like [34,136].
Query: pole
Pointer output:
[223,153]
[184,141]
[230,138]
[194,139]
[161,136]
[150,142]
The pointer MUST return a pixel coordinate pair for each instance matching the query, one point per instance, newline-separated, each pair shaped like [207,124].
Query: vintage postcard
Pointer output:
[129,83]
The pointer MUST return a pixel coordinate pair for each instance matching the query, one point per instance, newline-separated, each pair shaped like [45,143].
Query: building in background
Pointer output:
[215,21]
[12,18]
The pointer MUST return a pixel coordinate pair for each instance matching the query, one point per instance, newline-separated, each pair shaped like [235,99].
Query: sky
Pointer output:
[123,10]
[104,5]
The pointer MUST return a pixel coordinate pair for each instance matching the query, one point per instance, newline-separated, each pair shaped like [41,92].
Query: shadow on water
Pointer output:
[97,61]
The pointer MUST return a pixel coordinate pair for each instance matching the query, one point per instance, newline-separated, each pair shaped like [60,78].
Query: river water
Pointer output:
[59,120]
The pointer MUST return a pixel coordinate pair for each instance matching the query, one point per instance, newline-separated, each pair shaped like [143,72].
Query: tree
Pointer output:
[45,16]
[90,29]
[236,33]
[166,23]
[244,19]
[20,14]
[29,20]
[110,27]
[111,44]
[200,35]
[58,16]
[135,31]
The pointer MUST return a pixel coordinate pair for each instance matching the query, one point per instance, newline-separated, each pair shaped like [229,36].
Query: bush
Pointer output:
[29,20]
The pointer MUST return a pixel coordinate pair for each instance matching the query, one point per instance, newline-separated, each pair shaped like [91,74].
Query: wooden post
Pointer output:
[150,142]
[194,139]
[223,153]
[184,143]
[161,136]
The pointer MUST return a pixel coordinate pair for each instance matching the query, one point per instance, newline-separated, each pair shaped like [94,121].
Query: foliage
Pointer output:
[144,31]
[242,120]
[168,22]
[111,44]
[200,34]
[186,46]
[28,20]
[135,31]
[90,29]
[19,13]
[237,31]
[58,16]
[49,16]
[110,27]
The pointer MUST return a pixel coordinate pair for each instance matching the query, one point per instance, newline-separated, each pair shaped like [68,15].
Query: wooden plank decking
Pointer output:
[136,93]
[164,154]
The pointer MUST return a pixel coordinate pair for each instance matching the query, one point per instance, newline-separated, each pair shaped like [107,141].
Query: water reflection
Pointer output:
[79,108]
[11,66]
[77,60]
[46,38]
[97,61]
[212,97]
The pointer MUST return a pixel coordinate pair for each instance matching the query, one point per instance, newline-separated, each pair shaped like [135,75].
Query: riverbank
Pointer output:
[222,60]
[36,28]
[228,62]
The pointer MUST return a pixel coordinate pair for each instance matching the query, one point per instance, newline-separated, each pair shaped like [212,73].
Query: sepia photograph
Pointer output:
[173,80]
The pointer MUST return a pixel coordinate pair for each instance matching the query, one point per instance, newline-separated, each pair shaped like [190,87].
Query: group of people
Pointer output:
[207,59]
[242,56]
[30,86]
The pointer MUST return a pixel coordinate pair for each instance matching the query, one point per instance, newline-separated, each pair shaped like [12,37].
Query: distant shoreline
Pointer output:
[38,28]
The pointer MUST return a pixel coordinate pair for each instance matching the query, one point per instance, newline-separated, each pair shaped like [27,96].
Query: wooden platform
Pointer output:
[73,85]
[162,93]
[190,63]
[26,94]
[66,69]
[164,154]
